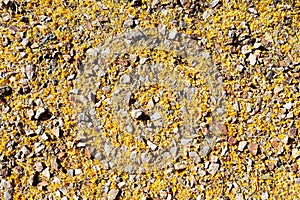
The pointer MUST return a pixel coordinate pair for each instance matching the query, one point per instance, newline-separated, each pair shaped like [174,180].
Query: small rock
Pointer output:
[186,141]
[242,145]
[136,113]
[194,157]
[222,128]
[288,106]
[253,148]
[179,166]
[252,59]
[34,179]
[38,147]
[29,131]
[25,42]
[81,145]
[295,153]
[113,194]
[90,152]
[270,75]
[128,23]
[293,132]
[77,172]
[45,137]
[257,45]
[40,112]
[151,145]
[126,79]
[284,138]
[155,116]
[278,88]
[205,150]
[274,143]
[265,195]
[213,168]
[56,132]
[246,49]
[224,151]
[173,34]
[239,196]
[54,163]
[8,194]
[297,181]
[214,159]
[46,173]
[38,166]
[232,141]
[252,10]
[70,172]
[214,3]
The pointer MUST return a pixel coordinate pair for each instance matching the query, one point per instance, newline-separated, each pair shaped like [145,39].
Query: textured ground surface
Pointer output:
[255,47]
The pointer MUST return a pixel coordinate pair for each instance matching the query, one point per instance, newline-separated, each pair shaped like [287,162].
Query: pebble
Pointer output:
[38,147]
[186,141]
[128,23]
[288,106]
[232,141]
[205,150]
[295,153]
[54,163]
[38,166]
[246,49]
[8,194]
[242,145]
[173,34]
[253,148]
[278,88]
[265,195]
[136,113]
[56,132]
[152,146]
[46,173]
[214,159]
[213,168]
[194,157]
[126,79]
[214,3]
[113,194]
[155,116]
[297,181]
[252,59]
[179,166]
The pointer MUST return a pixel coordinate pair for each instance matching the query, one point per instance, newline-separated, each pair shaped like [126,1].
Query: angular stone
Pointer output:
[242,145]
[213,168]
[113,194]
[205,150]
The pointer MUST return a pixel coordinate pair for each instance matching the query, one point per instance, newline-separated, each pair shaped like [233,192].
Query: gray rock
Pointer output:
[128,23]
[186,141]
[155,116]
[136,113]
[205,150]
[8,194]
[173,34]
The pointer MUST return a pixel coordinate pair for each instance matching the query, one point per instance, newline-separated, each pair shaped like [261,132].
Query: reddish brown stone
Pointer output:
[253,148]
[232,141]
